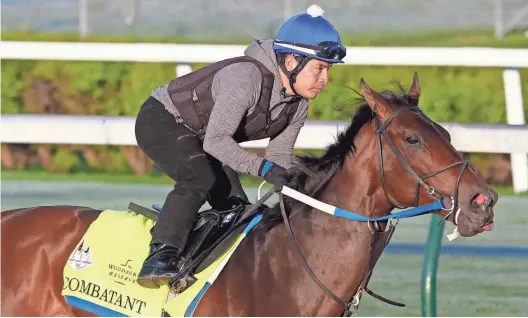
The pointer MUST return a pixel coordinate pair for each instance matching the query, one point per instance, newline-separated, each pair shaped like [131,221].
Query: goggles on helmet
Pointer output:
[327,49]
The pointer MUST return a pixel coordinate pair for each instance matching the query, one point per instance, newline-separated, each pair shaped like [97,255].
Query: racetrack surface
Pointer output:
[482,276]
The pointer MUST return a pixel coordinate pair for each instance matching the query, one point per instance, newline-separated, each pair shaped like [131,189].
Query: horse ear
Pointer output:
[414,91]
[377,103]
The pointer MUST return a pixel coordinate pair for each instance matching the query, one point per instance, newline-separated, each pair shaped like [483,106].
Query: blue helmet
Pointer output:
[311,35]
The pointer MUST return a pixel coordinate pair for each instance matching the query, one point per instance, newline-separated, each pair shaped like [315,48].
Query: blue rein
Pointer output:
[333,210]
[408,213]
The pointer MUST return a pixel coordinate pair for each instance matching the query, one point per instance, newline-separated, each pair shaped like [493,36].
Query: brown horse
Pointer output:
[390,155]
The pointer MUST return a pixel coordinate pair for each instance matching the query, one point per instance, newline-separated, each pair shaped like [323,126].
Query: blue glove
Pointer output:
[273,173]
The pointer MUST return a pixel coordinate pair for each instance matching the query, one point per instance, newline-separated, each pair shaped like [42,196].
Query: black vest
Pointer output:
[195,111]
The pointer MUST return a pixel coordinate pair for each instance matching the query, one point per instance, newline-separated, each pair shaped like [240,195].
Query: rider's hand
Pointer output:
[273,173]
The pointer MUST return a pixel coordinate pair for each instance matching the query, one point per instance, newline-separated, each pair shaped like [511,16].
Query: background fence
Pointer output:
[489,139]
[229,19]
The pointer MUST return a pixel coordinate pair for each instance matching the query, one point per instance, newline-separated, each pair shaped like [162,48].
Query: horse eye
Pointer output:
[412,140]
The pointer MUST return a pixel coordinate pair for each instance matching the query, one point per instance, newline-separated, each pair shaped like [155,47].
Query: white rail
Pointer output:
[101,130]
[184,54]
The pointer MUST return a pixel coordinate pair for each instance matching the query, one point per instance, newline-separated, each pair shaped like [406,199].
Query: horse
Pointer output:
[391,155]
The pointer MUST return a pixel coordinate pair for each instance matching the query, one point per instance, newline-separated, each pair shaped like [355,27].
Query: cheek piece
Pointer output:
[292,76]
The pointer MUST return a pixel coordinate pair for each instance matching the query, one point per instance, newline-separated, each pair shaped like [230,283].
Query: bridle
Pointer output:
[381,130]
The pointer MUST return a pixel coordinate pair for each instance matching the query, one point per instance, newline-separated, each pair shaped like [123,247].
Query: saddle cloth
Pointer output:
[100,274]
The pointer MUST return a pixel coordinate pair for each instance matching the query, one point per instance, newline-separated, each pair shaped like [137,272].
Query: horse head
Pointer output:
[417,164]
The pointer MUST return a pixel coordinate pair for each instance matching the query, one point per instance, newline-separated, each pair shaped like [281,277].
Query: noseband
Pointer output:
[381,129]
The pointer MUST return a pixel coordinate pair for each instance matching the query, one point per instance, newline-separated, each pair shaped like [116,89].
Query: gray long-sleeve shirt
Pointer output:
[235,90]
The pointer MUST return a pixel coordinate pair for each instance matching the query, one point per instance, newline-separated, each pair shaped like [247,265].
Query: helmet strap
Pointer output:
[292,75]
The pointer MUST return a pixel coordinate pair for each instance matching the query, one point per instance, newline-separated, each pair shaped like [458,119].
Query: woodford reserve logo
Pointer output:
[122,273]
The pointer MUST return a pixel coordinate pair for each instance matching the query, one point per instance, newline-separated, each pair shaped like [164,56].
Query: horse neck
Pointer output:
[336,249]
[357,186]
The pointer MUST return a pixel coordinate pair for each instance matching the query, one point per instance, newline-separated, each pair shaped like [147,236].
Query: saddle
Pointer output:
[212,233]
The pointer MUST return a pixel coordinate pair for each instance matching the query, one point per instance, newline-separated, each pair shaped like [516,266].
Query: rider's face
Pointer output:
[312,78]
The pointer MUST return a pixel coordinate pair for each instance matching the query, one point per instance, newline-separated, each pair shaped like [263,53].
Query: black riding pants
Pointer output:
[199,177]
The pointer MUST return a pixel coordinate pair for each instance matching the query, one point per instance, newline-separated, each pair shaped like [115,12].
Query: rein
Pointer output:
[351,306]
[376,247]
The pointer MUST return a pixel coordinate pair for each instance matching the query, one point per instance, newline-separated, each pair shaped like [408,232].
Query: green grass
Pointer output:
[450,38]
[247,181]
[83,176]
[447,38]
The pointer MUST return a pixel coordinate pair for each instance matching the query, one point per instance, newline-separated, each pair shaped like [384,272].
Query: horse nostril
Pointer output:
[482,200]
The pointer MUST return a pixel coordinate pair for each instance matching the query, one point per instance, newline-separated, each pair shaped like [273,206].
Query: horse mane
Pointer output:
[308,171]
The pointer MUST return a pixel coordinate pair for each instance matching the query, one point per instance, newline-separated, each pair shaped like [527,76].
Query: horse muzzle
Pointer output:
[476,213]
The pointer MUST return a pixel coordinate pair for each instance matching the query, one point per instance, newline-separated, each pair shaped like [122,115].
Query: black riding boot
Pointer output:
[160,266]
[169,236]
